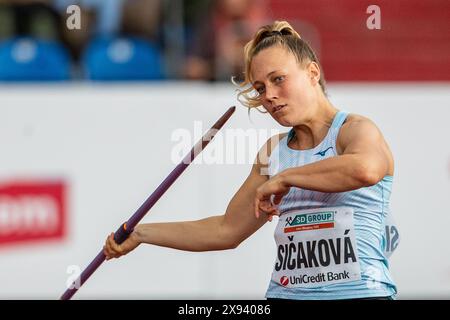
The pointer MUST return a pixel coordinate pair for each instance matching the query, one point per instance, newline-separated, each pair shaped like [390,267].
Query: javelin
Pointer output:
[127,228]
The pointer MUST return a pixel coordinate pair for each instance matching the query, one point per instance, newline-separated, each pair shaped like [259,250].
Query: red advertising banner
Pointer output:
[31,211]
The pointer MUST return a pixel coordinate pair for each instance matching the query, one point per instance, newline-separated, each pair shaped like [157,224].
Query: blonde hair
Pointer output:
[278,33]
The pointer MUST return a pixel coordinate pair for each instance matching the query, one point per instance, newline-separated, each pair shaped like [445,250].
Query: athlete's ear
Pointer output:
[314,72]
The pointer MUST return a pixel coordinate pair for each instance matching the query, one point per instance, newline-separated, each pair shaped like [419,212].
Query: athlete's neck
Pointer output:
[314,129]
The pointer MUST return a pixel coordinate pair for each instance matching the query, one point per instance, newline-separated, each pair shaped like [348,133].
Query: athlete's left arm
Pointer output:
[364,161]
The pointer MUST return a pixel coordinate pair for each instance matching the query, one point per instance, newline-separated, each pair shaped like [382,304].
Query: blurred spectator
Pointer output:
[111,18]
[97,17]
[30,42]
[217,49]
[142,18]
[106,13]
[36,19]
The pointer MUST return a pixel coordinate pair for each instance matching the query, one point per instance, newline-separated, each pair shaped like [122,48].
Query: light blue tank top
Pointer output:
[371,211]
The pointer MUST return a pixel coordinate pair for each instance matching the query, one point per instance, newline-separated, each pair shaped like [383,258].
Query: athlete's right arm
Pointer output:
[219,232]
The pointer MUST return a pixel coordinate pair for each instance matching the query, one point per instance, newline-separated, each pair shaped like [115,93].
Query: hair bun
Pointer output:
[282,32]
[275,33]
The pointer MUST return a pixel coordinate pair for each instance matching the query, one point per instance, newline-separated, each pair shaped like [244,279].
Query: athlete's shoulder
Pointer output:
[355,126]
[266,150]
[354,118]
[355,122]
[274,140]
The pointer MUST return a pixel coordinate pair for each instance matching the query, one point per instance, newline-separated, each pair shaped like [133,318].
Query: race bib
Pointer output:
[315,248]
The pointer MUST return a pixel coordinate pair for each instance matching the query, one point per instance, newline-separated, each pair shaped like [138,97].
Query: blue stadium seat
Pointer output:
[116,58]
[28,59]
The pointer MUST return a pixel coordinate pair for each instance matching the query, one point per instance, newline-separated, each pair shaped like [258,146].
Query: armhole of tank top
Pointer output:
[337,130]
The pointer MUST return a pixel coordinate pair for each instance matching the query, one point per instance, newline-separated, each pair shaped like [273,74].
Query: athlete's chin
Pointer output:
[284,121]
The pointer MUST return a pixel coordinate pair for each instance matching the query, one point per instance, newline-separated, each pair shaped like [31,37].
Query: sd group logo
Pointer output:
[310,221]
[32,211]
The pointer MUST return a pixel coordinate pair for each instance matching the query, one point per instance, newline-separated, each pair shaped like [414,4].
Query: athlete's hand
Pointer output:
[112,249]
[268,196]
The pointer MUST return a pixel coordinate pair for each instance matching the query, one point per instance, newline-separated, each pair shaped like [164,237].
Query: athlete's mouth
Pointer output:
[278,108]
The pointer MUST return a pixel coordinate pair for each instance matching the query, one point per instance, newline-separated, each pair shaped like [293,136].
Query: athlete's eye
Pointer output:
[260,90]
[279,78]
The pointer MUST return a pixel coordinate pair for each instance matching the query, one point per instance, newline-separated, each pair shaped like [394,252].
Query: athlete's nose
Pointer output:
[271,94]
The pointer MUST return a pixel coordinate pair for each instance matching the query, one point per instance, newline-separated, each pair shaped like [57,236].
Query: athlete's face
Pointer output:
[286,90]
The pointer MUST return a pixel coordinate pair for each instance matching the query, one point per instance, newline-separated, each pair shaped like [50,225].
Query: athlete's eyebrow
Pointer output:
[268,75]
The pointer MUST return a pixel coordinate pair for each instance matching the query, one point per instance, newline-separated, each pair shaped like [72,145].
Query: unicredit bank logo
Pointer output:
[32,211]
[284,281]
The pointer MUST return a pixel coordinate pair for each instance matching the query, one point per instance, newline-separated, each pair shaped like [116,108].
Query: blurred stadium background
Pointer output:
[87,122]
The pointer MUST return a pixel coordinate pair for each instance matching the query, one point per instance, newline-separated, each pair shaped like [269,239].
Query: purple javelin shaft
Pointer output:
[124,230]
